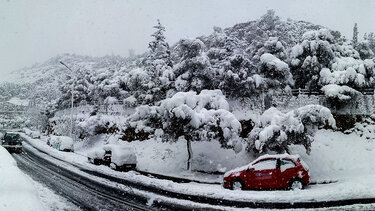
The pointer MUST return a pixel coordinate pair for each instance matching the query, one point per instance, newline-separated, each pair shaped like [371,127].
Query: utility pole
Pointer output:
[72,92]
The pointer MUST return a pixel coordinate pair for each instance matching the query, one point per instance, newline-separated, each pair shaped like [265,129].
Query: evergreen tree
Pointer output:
[158,66]
[364,50]
[159,47]
[309,57]
[370,39]
[193,70]
[79,84]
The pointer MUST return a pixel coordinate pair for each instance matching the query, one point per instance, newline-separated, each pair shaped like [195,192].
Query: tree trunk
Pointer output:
[190,154]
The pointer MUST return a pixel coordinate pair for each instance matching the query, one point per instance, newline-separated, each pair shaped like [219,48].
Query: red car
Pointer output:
[270,172]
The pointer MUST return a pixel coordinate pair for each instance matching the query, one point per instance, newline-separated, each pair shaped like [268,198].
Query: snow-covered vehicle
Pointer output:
[12,142]
[32,134]
[270,172]
[118,157]
[62,143]
[99,157]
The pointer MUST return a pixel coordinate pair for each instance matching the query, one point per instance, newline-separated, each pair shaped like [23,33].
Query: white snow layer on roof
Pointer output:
[16,189]
[123,155]
[277,156]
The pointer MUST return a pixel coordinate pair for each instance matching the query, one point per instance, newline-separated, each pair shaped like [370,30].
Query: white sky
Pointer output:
[34,30]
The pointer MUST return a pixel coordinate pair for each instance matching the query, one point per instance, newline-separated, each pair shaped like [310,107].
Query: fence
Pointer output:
[117,108]
[296,92]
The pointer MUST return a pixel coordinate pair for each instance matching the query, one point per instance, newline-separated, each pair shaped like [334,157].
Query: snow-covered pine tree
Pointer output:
[158,65]
[159,46]
[275,72]
[307,58]
[370,38]
[230,64]
[79,83]
[193,70]
[364,50]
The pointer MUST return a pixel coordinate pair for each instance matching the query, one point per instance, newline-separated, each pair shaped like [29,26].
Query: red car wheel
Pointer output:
[295,184]
[237,184]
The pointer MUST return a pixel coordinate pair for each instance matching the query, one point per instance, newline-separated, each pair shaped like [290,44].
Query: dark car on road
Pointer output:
[270,172]
[12,142]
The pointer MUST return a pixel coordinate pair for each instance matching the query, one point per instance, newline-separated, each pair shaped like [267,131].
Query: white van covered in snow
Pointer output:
[62,143]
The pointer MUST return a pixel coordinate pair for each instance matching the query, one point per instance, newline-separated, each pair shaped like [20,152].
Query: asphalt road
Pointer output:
[88,195]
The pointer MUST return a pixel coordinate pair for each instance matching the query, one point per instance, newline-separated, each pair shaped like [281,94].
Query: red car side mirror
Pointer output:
[250,170]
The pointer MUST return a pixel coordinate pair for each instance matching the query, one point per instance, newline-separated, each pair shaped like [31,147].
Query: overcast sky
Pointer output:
[33,31]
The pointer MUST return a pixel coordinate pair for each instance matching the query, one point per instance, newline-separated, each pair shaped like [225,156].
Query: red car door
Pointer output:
[288,171]
[264,174]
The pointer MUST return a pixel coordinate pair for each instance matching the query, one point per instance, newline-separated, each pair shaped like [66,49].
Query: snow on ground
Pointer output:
[335,156]
[51,200]
[16,189]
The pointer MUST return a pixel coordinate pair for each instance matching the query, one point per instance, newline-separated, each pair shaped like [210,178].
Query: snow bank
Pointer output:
[336,156]
[16,190]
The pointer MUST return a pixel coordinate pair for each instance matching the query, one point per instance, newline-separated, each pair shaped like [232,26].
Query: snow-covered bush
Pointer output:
[349,71]
[364,50]
[98,124]
[276,130]
[339,93]
[275,71]
[364,128]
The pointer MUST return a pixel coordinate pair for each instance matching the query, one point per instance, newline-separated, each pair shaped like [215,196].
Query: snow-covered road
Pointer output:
[85,196]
